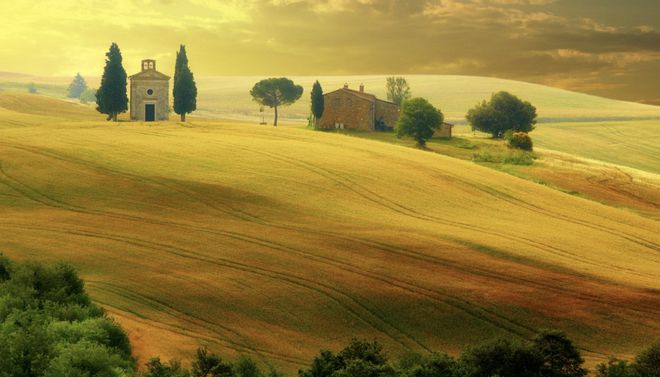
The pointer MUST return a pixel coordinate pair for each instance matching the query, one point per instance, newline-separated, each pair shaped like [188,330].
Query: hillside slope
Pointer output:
[631,143]
[279,242]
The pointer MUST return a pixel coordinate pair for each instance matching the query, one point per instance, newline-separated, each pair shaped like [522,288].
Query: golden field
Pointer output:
[277,242]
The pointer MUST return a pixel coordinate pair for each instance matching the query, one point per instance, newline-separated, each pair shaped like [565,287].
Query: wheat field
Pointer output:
[277,242]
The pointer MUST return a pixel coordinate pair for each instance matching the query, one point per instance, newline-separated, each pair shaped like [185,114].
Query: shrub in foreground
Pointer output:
[647,363]
[50,327]
[615,368]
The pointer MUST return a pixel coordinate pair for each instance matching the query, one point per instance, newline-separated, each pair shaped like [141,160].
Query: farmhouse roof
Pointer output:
[363,95]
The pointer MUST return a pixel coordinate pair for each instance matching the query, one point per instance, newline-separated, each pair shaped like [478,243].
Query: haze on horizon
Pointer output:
[604,47]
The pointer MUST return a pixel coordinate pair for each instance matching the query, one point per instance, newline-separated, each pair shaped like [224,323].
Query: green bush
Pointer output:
[615,368]
[88,96]
[520,140]
[647,363]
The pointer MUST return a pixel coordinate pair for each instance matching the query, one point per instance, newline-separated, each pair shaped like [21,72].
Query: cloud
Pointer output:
[534,40]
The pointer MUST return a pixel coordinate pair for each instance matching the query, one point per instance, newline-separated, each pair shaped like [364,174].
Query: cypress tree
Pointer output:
[77,86]
[318,105]
[185,90]
[111,97]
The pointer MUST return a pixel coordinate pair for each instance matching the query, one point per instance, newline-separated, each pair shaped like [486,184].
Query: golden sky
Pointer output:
[606,47]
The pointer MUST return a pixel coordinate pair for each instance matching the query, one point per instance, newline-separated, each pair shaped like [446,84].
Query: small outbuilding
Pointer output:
[150,91]
[444,130]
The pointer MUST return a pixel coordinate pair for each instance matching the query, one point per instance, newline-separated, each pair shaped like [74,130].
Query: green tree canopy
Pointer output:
[647,363]
[560,356]
[418,119]
[275,92]
[246,367]
[616,368]
[398,90]
[77,87]
[156,368]
[318,102]
[185,89]
[503,112]
[208,364]
[501,358]
[111,97]
[49,326]
[359,359]
[434,365]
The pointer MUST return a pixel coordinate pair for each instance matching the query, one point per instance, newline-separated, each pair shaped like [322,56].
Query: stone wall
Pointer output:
[342,107]
[388,111]
[140,97]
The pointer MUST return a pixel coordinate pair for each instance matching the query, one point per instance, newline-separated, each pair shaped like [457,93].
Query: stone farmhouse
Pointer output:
[356,110]
[149,94]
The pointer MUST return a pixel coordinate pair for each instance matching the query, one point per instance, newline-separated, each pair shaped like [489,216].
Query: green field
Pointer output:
[277,242]
[634,144]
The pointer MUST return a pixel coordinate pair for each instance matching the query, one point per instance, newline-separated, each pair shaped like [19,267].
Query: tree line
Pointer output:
[549,354]
[49,327]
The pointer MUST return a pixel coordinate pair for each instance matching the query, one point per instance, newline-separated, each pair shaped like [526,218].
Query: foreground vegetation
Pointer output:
[49,327]
[549,354]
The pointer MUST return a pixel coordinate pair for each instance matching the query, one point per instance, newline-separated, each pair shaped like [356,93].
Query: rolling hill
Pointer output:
[629,143]
[279,242]
[228,97]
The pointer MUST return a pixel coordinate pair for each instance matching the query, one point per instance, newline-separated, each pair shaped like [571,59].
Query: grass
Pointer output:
[280,242]
[633,144]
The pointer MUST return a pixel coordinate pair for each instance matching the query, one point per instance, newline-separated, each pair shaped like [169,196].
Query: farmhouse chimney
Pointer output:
[361,88]
[346,86]
[148,64]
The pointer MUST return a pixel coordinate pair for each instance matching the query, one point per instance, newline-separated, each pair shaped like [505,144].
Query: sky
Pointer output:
[604,47]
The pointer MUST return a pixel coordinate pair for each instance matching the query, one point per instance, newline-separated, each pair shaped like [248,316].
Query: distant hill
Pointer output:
[228,96]
[278,242]
[454,95]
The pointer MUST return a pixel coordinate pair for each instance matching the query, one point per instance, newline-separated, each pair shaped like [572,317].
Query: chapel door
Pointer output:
[150,112]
